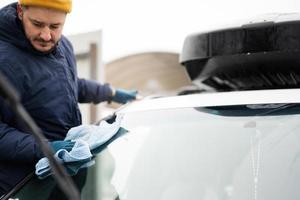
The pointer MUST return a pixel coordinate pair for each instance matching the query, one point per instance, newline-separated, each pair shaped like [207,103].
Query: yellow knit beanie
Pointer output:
[64,5]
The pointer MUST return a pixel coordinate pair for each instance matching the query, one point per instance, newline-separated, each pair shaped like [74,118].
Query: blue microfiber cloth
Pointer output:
[80,155]
[95,135]
[89,140]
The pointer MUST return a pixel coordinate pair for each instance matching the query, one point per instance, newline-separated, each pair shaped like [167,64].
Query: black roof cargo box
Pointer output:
[263,55]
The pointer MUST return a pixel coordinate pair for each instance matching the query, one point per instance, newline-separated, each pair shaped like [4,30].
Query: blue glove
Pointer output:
[123,96]
[60,144]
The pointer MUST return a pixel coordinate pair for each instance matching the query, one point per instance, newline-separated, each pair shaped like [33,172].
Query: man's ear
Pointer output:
[20,11]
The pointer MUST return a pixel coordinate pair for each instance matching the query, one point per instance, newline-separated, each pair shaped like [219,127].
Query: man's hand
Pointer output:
[60,144]
[123,96]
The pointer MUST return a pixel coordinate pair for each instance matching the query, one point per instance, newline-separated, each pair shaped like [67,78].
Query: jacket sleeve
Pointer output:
[93,92]
[18,146]
[15,145]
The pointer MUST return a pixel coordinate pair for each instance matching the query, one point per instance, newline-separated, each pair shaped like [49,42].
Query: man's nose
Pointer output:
[46,34]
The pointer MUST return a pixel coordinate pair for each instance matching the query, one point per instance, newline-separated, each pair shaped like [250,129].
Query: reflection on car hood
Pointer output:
[216,99]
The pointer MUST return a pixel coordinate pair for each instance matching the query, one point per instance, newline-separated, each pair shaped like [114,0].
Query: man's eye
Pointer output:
[54,26]
[38,25]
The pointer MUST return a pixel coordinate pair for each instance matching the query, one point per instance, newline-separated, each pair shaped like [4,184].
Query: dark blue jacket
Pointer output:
[49,90]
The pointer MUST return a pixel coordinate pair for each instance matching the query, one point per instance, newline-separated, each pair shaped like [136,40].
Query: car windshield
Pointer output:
[229,152]
[247,152]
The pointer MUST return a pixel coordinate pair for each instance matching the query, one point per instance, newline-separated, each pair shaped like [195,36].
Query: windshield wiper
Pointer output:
[253,110]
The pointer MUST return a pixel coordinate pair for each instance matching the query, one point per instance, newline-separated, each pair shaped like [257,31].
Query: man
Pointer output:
[39,61]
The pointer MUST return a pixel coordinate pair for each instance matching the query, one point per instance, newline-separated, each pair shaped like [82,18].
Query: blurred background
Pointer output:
[135,44]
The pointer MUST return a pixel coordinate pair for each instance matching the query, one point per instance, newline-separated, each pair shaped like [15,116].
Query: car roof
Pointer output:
[275,96]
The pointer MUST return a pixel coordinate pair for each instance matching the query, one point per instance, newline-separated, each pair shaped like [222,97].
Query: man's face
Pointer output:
[43,27]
